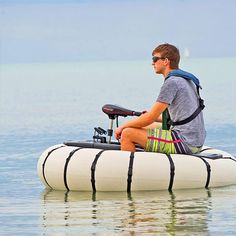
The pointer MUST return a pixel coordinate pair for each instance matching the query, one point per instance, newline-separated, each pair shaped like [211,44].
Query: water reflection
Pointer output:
[154,212]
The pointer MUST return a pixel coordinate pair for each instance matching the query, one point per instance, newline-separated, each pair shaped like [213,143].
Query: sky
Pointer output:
[43,31]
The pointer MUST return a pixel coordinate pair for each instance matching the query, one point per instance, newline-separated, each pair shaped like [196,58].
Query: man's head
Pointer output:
[168,52]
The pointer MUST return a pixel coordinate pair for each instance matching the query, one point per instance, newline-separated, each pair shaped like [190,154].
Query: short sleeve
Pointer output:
[168,91]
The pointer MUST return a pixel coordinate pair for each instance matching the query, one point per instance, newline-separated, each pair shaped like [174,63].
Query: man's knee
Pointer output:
[134,135]
[127,134]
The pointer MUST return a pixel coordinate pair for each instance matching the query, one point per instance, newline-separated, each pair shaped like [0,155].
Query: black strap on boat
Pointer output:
[130,172]
[66,165]
[93,168]
[44,163]
[205,149]
[208,167]
[172,172]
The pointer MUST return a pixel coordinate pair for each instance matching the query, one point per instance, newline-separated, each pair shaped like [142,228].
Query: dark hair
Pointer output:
[169,51]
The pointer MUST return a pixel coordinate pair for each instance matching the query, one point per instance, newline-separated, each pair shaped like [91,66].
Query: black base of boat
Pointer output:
[91,144]
[98,145]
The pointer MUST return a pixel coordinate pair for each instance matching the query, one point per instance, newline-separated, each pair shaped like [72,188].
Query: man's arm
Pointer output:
[145,119]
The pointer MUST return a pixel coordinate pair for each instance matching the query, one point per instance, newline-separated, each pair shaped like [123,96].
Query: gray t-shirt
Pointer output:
[182,97]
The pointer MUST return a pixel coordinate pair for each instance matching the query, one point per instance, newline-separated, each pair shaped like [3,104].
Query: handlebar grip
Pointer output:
[137,113]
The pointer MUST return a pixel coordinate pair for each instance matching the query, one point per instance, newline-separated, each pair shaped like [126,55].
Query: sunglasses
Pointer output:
[155,59]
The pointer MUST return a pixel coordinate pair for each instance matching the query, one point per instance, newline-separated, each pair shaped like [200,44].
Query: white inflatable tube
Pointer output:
[74,168]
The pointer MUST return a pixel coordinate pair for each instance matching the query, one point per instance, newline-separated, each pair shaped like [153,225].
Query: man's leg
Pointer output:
[132,136]
[153,125]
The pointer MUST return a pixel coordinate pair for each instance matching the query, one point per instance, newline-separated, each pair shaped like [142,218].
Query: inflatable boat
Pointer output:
[100,165]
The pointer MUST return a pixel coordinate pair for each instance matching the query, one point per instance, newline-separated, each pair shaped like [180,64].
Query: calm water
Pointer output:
[42,105]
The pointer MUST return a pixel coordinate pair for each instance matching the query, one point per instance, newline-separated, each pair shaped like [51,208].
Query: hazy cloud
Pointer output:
[42,31]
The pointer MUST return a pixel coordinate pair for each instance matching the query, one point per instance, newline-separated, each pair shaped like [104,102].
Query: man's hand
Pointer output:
[118,132]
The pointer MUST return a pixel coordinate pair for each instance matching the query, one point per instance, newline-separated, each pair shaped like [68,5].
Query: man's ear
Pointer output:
[166,62]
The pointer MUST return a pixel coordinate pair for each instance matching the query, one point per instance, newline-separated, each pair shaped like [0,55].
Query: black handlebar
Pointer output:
[113,111]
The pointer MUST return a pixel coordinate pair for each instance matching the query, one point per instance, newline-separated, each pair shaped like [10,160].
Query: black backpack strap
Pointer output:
[190,118]
[166,120]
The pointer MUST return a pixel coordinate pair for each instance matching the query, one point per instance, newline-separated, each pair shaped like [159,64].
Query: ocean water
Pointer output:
[46,104]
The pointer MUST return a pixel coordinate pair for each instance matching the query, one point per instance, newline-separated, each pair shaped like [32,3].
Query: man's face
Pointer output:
[158,63]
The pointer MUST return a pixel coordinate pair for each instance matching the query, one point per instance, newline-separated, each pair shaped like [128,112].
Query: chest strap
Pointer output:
[190,118]
[166,120]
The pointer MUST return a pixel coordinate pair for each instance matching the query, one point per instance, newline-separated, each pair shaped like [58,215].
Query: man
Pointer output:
[180,94]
